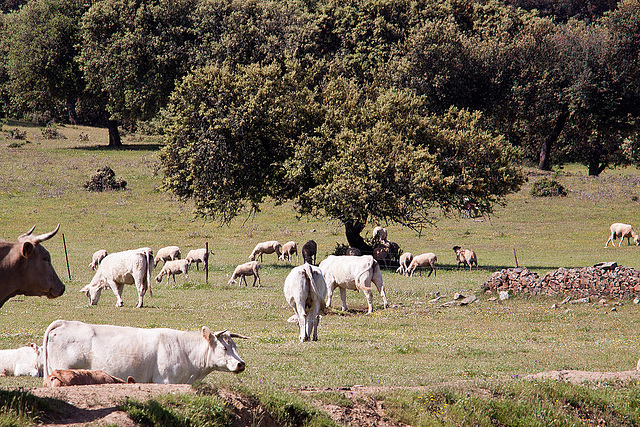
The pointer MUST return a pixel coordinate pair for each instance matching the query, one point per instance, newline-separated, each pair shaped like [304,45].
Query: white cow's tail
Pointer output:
[150,265]
[371,266]
[45,344]
[309,272]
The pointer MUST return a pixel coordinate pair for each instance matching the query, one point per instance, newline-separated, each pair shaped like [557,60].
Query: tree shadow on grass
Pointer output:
[125,147]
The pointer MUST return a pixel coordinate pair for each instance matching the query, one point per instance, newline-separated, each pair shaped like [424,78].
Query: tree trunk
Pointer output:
[545,150]
[352,230]
[71,110]
[596,165]
[114,134]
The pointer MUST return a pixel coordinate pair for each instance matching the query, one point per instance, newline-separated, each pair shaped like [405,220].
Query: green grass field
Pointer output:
[413,343]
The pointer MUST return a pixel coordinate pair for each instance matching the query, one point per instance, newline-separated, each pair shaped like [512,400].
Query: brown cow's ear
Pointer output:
[27,249]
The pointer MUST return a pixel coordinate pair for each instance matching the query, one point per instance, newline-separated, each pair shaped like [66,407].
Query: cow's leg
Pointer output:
[343,297]
[330,289]
[303,335]
[316,317]
[369,296]
[141,288]
[117,289]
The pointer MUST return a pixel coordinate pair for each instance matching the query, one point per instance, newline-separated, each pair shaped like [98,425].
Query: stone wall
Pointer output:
[609,281]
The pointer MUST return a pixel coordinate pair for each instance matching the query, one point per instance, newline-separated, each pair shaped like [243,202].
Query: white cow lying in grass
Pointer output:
[305,291]
[161,355]
[26,360]
[119,269]
[352,272]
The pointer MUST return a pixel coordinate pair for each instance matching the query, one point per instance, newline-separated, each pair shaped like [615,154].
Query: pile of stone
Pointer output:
[602,280]
[515,279]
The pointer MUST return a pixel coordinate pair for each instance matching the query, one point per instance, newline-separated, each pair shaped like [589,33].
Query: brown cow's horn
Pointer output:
[240,336]
[46,236]
[27,234]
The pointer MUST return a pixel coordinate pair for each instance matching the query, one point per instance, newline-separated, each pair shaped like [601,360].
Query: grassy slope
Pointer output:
[413,343]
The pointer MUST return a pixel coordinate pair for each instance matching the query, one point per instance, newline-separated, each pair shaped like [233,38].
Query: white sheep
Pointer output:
[96,258]
[465,256]
[247,269]
[266,248]
[171,268]
[421,261]
[197,256]
[405,261]
[288,249]
[379,234]
[619,230]
[166,254]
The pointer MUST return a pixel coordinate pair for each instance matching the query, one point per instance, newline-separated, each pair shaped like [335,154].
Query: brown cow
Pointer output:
[69,377]
[25,268]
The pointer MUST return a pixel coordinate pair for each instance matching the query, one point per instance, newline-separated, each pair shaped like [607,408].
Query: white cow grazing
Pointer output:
[352,272]
[164,356]
[304,288]
[22,361]
[97,257]
[119,269]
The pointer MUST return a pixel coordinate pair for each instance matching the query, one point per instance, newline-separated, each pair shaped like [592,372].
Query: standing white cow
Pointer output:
[352,272]
[304,288]
[22,361]
[119,269]
[161,355]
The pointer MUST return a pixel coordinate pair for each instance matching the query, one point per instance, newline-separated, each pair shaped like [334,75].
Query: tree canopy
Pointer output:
[357,110]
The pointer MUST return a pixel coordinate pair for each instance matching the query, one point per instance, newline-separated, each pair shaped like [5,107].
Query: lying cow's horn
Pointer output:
[233,335]
[217,334]
[46,236]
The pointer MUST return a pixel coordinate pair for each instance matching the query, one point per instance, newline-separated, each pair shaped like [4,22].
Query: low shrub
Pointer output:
[51,132]
[105,179]
[546,187]
[17,134]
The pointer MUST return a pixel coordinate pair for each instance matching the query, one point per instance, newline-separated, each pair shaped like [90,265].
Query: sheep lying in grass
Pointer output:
[266,248]
[247,269]
[465,256]
[197,256]
[96,258]
[171,268]
[619,230]
[166,254]
[405,261]
[421,261]
[288,249]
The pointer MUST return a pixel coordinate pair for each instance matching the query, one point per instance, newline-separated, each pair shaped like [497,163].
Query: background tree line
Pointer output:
[284,99]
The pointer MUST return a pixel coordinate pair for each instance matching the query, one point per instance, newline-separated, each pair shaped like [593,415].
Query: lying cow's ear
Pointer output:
[206,333]
[27,249]
[240,336]
[35,347]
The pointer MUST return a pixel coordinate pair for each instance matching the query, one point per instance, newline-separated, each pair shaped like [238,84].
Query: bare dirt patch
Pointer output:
[97,404]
